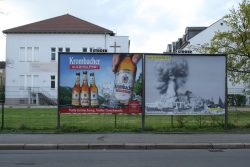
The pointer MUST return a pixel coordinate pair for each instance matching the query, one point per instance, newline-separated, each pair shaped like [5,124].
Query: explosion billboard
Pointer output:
[185,84]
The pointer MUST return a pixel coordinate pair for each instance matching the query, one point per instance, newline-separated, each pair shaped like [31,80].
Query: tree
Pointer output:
[235,43]
[138,85]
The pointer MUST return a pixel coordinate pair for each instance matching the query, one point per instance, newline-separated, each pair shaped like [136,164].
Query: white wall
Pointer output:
[35,71]
[206,36]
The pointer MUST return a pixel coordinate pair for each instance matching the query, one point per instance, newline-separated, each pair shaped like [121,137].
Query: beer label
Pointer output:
[93,99]
[92,79]
[123,85]
[75,98]
[78,80]
[84,98]
[84,77]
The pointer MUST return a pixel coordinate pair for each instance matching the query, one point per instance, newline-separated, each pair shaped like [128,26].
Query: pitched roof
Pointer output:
[61,24]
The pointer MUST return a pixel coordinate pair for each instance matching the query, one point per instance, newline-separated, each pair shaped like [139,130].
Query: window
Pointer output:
[28,81]
[36,53]
[67,49]
[60,49]
[29,53]
[22,81]
[53,81]
[22,54]
[53,54]
[84,49]
[36,82]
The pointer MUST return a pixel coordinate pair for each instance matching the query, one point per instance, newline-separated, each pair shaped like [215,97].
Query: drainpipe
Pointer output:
[105,42]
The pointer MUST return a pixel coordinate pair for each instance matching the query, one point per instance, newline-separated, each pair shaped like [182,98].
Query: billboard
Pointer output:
[99,83]
[185,84]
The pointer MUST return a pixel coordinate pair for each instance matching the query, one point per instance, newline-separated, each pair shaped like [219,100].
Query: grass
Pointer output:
[32,120]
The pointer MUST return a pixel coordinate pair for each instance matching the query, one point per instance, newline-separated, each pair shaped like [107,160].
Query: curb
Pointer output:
[129,146]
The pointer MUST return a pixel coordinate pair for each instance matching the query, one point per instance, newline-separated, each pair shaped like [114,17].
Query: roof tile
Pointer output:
[61,24]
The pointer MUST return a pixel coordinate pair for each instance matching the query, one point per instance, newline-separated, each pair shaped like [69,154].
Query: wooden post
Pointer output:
[58,119]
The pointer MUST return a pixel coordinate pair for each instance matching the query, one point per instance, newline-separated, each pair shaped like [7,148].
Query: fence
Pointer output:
[41,115]
[45,119]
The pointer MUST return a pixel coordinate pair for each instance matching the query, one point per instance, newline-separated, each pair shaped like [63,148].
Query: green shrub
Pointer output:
[236,100]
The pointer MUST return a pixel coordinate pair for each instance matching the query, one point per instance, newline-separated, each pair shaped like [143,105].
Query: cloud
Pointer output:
[150,24]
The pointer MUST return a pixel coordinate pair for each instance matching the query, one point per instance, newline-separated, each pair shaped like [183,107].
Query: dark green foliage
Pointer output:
[234,42]
[138,86]
[65,95]
[236,100]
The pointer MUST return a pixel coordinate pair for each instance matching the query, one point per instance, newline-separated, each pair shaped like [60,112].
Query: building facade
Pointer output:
[197,36]
[32,55]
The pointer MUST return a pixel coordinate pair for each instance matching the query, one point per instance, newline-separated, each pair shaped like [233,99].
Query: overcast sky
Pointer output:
[150,24]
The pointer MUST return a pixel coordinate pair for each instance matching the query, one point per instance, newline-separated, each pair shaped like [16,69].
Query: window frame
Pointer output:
[36,54]
[53,54]
[52,81]
[84,49]
[67,49]
[29,54]
[22,54]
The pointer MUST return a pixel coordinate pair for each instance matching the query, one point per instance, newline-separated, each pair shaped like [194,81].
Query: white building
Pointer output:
[197,36]
[32,55]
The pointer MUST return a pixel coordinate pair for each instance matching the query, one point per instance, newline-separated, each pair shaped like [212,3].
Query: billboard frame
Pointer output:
[194,55]
[91,53]
[143,114]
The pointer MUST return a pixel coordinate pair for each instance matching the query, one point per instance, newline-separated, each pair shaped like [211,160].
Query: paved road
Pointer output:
[121,138]
[126,158]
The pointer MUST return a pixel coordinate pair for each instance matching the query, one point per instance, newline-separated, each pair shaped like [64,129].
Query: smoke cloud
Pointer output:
[175,70]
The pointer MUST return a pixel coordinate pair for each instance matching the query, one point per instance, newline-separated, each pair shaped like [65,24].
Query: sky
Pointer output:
[150,24]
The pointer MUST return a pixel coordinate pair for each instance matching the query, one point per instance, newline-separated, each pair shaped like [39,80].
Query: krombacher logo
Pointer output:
[123,87]
[84,61]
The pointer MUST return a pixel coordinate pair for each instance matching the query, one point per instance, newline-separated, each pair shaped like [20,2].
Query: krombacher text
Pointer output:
[84,61]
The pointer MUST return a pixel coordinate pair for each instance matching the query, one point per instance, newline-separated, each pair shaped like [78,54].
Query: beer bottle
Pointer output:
[93,91]
[124,80]
[85,90]
[76,91]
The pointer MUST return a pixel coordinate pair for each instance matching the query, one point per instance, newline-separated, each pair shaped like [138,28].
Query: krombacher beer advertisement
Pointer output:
[100,83]
[185,84]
